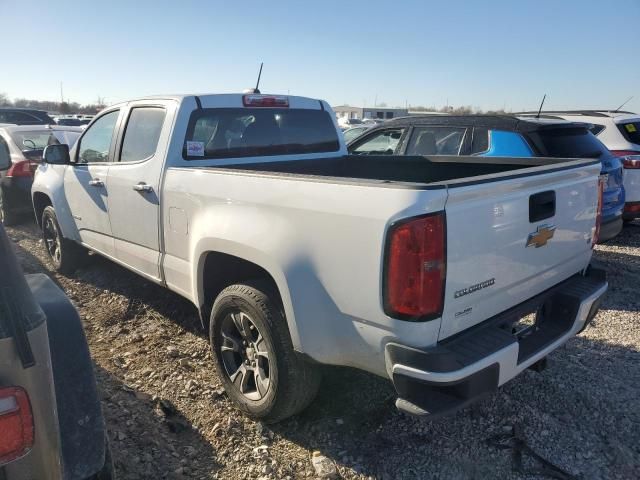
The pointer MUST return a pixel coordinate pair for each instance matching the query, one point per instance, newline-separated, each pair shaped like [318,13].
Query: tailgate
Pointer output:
[490,268]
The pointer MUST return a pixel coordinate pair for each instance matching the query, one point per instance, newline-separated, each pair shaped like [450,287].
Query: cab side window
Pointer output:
[142,133]
[95,143]
[384,142]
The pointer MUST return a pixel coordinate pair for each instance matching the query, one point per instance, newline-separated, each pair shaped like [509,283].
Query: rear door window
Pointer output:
[570,143]
[142,133]
[436,141]
[631,131]
[382,142]
[247,132]
[480,141]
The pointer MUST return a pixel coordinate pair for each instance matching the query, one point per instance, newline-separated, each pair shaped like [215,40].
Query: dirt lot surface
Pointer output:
[168,417]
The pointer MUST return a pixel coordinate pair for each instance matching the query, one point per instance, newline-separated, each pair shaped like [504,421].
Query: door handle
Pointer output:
[96,182]
[142,187]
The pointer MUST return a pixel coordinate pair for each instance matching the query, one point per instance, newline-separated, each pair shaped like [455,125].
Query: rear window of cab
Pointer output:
[248,132]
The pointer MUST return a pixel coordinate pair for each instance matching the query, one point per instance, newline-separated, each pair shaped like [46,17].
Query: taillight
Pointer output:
[23,168]
[415,269]
[633,207]
[632,161]
[265,101]
[16,424]
[630,158]
[596,232]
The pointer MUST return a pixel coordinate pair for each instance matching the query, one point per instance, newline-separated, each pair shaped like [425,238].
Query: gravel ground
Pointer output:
[168,417]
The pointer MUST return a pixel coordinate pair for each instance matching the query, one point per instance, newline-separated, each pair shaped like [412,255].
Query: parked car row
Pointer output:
[620,133]
[73,120]
[31,116]
[551,134]
[416,257]
[25,145]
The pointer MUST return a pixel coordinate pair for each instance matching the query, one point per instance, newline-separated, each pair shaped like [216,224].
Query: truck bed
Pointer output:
[443,170]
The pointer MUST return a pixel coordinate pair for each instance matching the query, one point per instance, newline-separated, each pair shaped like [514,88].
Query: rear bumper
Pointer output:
[473,363]
[16,193]
[610,227]
[631,210]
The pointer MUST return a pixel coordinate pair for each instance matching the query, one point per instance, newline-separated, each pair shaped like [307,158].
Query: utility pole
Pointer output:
[61,95]
[375,102]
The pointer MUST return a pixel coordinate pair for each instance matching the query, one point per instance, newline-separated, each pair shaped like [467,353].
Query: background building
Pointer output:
[346,111]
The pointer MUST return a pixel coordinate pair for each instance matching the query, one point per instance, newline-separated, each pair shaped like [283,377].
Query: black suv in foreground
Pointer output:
[500,136]
[51,423]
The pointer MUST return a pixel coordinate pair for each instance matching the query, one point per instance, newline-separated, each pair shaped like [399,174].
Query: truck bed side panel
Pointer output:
[321,242]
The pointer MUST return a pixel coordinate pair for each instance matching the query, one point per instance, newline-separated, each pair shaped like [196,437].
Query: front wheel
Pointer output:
[254,356]
[65,255]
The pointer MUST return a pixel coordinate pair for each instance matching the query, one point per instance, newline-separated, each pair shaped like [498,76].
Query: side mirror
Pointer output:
[56,155]
[5,157]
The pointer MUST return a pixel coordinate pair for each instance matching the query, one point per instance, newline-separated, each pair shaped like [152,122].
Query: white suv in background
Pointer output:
[620,132]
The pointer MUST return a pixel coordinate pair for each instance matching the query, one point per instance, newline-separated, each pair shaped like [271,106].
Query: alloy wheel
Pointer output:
[245,355]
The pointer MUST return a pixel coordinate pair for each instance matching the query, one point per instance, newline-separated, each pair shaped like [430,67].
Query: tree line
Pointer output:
[93,108]
[51,106]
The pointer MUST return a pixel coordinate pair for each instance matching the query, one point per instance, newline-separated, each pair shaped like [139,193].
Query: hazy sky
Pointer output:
[490,54]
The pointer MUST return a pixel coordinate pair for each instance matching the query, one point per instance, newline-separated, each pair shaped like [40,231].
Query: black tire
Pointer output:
[7,217]
[65,255]
[293,381]
[107,472]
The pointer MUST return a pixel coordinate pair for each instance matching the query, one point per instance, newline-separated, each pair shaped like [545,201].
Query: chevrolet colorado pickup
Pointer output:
[448,275]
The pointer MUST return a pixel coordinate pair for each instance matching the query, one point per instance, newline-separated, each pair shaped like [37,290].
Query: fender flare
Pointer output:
[249,254]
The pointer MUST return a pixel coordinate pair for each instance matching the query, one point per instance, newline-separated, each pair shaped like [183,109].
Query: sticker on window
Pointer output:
[195,149]
[631,128]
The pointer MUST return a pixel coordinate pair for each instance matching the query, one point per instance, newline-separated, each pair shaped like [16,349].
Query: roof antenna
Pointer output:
[541,104]
[625,102]
[255,90]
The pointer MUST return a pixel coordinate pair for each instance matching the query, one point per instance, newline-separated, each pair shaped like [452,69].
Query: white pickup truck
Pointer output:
[447,275]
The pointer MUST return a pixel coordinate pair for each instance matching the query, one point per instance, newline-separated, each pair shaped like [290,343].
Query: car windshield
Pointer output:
[354,121]
[38,139]
[353,133]
[245,132]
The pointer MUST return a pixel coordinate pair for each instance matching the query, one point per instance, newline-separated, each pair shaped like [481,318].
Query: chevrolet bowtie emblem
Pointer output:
[541,236]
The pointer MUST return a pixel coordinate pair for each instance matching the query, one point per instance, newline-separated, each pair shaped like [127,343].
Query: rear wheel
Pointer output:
[6,216]
[65,254]
[254,356]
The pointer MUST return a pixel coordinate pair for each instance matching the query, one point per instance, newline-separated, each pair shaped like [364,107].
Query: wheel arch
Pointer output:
[40,202]
[218,269]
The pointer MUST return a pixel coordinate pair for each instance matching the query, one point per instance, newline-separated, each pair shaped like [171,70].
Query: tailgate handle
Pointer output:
[542,205]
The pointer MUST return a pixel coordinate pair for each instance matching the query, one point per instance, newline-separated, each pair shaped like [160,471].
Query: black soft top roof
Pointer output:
[501,122]
[22,109]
